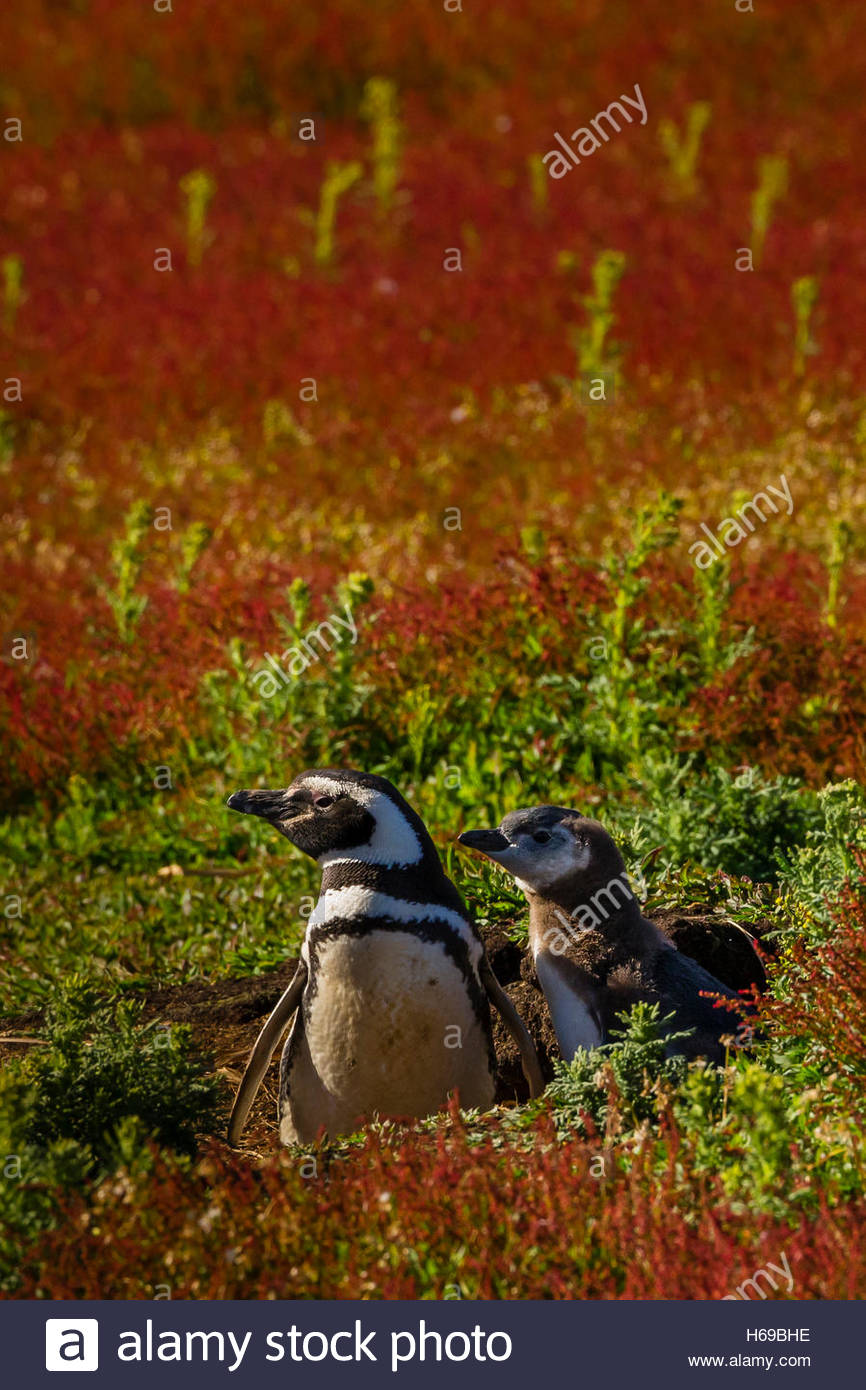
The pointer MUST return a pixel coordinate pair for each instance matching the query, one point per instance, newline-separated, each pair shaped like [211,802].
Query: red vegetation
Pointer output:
[796,704]
[827,1005]
[385,1223]
[434,389]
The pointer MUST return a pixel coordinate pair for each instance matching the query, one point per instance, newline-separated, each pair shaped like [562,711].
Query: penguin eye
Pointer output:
[322,802]
[541,837]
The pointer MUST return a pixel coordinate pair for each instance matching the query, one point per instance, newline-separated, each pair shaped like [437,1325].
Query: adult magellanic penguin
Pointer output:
[594,951]
[390,1000]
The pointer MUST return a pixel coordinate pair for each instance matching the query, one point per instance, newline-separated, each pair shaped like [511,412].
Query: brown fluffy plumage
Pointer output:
[595,953]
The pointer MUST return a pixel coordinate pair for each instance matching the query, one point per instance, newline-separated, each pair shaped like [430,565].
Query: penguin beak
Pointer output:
[492,843]
[270,805]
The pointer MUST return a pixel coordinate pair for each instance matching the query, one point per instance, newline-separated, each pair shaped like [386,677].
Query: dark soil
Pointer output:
[720,946]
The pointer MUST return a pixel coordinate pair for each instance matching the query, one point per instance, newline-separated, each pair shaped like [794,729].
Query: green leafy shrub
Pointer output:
[86,1105]
[33,1179]
[740,822]
[818,998]
[247,731]
[754,1125]
[814,869]
[103,1067]
[617,1085]
[127,562]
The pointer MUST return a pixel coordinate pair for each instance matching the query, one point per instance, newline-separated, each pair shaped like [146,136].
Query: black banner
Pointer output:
[429,1344]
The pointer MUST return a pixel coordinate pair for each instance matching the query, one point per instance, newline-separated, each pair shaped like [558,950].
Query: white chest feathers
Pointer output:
[573,1021]
[388,1029]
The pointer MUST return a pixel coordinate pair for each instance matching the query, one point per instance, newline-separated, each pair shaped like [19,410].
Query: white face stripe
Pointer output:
[393,843]
[357,901]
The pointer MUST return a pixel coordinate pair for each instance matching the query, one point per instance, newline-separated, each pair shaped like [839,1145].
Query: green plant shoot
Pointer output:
[683,150]
[804,297]
[379,107]
[594,353]
[13,279]
[338,180]
[199,188]
[772,185]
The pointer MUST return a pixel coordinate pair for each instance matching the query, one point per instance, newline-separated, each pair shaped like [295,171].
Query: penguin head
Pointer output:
[547,849]
[336,814]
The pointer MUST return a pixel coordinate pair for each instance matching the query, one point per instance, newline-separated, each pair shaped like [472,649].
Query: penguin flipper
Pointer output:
[516,1027]
[683,984]
[262,1051]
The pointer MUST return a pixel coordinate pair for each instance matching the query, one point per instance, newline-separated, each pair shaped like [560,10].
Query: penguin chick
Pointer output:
[594,951]
[390,999]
